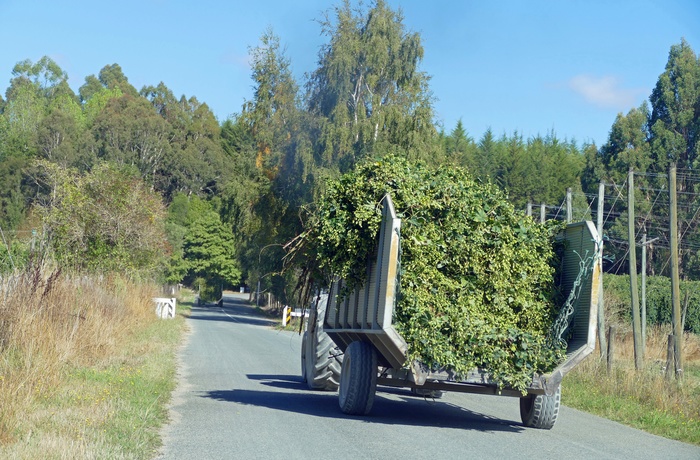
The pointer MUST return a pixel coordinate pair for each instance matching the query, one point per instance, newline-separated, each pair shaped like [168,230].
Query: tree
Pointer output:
[104,220]
[648,141]
[674,132]
[110,77]
[270,142]
[61,133]
[91,87]
[270,112]
[487,155]
[98,100]
[460,148]
[368,92]
[37,93]
[209,251]
[22,115]
[12,197]
[45,76]
[129,132]
[239,196]
[675,119]
[183,211]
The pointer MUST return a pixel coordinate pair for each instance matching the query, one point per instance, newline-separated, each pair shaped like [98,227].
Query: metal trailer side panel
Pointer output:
[366,314]
[582,246]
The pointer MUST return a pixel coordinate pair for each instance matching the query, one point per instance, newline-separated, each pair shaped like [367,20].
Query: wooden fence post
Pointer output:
[611,346]
[670,364]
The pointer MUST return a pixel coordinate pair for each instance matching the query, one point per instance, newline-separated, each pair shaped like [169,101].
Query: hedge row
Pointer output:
[658,299]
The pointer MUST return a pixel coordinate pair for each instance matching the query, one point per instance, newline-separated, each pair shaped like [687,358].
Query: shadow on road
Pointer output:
[215,313]
[410,411]
[287,382]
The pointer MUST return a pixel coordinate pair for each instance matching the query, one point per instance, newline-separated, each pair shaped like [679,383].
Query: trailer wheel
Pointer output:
[321,359]
[358,379]
[540,411]
[303,356]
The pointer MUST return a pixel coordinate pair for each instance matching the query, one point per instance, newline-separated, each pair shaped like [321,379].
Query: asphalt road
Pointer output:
[240,395]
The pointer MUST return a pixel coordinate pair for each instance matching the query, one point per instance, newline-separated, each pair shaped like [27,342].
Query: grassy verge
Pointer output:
[643,399]
[87,369]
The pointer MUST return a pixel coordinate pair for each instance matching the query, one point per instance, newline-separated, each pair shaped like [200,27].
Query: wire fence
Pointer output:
[652,210]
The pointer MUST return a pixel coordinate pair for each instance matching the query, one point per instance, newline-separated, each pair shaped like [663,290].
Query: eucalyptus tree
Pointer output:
[269,141]
[45,76]
[674,137]
[36,89]
[647,140]
[129,132]
[62,132]
[627,147]
[195,162]
[91,87]
[674,123]
[33,88]
[22,115]
[368,91]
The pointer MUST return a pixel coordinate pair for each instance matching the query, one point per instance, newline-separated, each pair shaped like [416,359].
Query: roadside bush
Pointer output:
[106,220]
[658,296]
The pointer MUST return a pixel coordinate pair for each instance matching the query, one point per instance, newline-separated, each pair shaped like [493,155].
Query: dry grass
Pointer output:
[66,348]
[645,398]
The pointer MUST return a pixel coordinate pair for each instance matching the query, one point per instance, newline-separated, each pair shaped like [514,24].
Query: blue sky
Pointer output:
[567,67]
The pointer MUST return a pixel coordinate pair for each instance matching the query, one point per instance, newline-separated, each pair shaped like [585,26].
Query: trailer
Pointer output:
[351,344]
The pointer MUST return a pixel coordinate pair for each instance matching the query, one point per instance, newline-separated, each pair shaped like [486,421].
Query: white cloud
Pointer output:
[241,61]
[605,92]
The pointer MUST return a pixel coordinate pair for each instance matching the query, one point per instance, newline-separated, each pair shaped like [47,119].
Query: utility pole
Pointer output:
[569,211]
[529,209]
[634,294]
[644,291]
[543,214]
[601,307]
[675,282]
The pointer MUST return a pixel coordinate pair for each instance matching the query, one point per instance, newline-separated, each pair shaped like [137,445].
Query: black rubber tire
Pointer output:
[540,411]
[303,356]
[358,379]
[321,358]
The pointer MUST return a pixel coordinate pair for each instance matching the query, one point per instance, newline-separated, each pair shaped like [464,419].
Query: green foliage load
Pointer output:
[476,279]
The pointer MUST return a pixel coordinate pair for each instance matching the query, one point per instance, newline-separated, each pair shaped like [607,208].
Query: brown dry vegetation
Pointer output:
[52,326]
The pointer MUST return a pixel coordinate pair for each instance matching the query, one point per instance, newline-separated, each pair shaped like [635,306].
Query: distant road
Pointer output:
[240,396]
